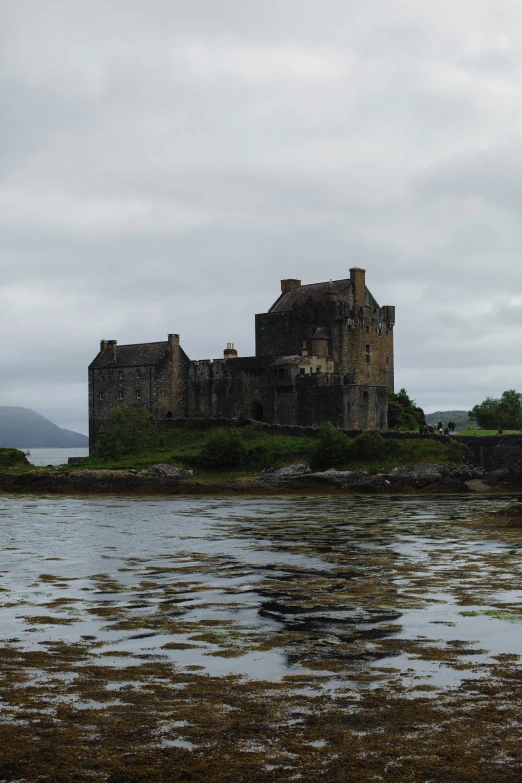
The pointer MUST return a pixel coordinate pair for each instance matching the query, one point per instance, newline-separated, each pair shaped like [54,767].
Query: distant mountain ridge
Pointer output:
[23,428]
[460,418]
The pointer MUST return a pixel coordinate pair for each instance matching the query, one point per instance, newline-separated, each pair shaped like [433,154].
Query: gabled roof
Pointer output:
[301,293]
[131,355]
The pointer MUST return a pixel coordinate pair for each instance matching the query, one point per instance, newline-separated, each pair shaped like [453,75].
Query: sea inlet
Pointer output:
[312,639]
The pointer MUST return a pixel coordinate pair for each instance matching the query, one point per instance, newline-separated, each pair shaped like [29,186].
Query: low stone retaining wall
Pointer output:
[281,429]
[493,452]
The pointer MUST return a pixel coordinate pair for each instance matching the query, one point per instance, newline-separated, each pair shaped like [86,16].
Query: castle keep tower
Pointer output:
[324,352]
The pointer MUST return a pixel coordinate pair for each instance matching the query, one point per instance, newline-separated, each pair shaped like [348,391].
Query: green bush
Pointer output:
[223,448]
[332,447]
[403,414]
[10,457]
[267,454]
[505,413]
[130,431]
[370,445]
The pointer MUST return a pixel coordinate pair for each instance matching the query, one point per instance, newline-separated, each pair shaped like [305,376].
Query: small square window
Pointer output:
[101,395]
[302,370]
[138,394]
[120,394]
[367,349]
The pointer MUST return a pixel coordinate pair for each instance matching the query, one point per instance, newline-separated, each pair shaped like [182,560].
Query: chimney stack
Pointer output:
[358,280]
[112,344]
[230,352]
[289,285]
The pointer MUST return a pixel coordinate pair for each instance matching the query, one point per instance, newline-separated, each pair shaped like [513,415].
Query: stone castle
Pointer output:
[324,352]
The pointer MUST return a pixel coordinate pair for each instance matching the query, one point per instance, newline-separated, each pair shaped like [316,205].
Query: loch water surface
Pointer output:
[259,639]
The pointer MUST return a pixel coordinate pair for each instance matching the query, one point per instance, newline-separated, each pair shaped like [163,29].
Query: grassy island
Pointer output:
[249,448]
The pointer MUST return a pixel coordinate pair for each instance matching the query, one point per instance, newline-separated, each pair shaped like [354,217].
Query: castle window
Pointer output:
[367,358]
[138,394]
[101,376]
[302,370]
[101,395]
[367,349]
[120,394]
[138,374]
[120,375]
[365,395]
[318,369]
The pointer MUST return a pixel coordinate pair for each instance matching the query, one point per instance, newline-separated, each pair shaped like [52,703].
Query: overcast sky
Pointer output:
[164,164]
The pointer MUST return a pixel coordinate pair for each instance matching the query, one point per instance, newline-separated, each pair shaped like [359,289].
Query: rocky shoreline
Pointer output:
[295,479]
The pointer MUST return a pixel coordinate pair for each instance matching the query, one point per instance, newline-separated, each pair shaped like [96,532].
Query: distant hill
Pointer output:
[23,428]
[460,418]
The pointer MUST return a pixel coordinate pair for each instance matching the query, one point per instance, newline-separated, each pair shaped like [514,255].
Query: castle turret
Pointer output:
[321,343]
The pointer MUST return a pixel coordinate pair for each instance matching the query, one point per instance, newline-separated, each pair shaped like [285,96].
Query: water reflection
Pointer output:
[265,588]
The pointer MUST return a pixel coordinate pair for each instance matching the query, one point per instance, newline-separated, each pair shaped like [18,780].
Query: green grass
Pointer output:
[181,447]
[410,452]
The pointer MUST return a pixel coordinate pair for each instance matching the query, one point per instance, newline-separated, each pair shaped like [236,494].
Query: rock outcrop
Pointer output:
[167,479]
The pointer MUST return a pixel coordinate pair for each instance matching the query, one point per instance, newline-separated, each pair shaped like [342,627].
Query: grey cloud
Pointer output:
[163,165]
[493,175]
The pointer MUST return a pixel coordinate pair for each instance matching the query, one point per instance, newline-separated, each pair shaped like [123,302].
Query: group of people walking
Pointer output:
[429,429]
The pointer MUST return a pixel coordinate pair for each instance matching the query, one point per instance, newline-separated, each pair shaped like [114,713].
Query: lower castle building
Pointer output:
[324,352]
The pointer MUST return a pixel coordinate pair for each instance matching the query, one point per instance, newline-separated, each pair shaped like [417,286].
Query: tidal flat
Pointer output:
[266,639]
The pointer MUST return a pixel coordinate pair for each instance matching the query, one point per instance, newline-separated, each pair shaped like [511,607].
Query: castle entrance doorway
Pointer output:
[257,411]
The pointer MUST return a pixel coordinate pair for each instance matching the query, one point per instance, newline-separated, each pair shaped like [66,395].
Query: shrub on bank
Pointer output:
[223,448]
[332,447]
[130,431]
[370,445]
[10,457]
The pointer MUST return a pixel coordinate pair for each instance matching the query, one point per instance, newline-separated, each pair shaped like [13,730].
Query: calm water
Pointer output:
[267,640]
[44,457]
[264,588]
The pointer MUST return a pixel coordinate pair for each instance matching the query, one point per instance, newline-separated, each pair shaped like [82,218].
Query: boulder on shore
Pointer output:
[163,470]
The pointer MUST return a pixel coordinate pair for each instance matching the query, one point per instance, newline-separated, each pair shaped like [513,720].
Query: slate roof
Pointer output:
[131,355]
[320,334]
[287,360]
[316,291]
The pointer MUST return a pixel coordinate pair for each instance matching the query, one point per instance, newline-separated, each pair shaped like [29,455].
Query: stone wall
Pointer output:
[493,452]
[114,386]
